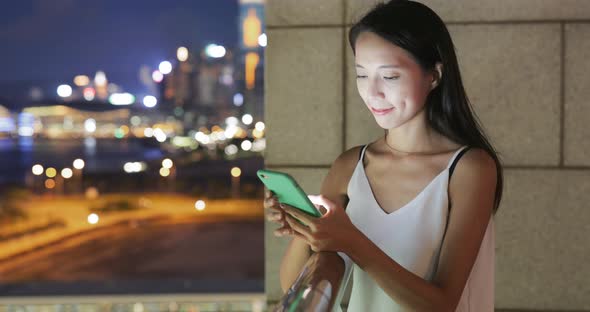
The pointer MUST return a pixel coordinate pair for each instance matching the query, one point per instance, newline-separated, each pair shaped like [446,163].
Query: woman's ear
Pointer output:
[436,75]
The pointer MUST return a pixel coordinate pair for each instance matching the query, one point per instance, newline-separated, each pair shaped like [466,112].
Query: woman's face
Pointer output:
[393,86]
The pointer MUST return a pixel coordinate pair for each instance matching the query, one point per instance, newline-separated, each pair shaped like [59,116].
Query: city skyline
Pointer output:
[78,38]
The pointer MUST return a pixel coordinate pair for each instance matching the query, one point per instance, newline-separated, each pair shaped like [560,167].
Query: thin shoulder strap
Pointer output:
[362,151]
[456,160]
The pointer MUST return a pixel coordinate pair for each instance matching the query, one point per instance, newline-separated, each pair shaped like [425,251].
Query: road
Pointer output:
[184,247]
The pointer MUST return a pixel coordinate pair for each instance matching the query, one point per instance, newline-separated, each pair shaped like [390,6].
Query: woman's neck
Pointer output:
[415,137]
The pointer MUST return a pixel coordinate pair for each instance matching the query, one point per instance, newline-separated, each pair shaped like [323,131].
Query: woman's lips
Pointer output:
[381,111]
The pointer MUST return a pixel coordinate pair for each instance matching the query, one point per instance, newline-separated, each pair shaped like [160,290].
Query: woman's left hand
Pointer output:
[331,232]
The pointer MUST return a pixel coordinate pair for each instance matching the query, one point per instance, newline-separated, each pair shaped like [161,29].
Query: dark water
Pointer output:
[17,156]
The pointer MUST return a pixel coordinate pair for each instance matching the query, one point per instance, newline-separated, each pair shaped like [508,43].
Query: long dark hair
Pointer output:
[417,29]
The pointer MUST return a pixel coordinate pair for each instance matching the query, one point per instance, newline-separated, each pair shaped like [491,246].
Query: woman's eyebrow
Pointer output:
[382,66]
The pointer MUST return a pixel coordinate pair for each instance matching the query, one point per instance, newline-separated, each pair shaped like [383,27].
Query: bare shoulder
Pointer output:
[335,183]
[476,161]
[476,171]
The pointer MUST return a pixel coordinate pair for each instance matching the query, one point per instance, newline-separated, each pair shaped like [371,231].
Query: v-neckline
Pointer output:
[383,211]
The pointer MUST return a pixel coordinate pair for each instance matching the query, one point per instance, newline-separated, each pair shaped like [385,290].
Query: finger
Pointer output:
[284,230]
[272,202]
[299,235]
[308,220]
[298,227]
[275,216]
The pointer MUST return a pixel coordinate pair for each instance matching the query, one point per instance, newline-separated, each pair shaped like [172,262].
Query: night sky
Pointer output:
[50,41]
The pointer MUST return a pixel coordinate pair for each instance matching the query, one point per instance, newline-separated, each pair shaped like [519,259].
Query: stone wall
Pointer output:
[525,73]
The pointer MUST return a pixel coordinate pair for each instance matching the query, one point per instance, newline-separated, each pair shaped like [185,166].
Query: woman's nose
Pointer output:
[374,90]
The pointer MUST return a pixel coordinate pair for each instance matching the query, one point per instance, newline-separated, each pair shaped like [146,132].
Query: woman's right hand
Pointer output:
[275,213]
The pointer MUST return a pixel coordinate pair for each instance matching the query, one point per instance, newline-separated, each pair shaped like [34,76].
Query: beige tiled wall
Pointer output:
[526,69]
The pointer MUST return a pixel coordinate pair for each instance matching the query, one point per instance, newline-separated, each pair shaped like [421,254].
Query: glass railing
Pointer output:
[319,286]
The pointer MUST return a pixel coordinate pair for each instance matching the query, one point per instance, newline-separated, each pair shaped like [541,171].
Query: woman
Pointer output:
[414,210]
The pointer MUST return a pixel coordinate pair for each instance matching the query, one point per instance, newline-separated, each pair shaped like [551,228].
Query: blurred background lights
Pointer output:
[215,51]
[200,205]
[157,76]
[89,93]
[93,218]
[231,121]
[100,79]
[148,132]
[26,131]
[230,131]
[37,169]
[136,166]
[78,164]
[160,135]
[50,172]
[49,183]
[81,80]
[238,99]
[259,126]
[236,172]
[90,125]
[231,150]
[262,40]
[122,98]
[67,173]
[165,67]
[150,101]
[247,119]
[64,90]
[246,145]
[135,120]
[164,172]
[167,163]
[182,54]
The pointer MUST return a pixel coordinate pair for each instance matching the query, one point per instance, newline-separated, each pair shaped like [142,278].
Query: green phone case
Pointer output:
[287,190]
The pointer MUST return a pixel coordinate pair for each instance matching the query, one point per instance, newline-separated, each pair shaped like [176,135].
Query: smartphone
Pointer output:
[287,190]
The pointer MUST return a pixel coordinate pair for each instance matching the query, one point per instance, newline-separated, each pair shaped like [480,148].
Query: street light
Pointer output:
[93,218]
[81,80]
[200,205]
[37,169]
[235,181]
[182,54]
[262,40]
[260,126]
[67,173]
[50,183]
[247,119]
[165,67]
[164,172]
[50,172]
[150,101]
[64,90]
[157,76]
[78,164]
[167,163]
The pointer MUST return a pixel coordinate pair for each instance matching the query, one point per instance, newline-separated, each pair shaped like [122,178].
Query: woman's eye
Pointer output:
[391,78]
[360,76]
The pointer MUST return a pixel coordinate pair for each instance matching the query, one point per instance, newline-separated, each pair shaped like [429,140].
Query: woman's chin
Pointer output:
[386,124]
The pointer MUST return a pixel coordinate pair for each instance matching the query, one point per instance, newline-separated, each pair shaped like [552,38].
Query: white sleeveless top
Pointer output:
[412,236]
